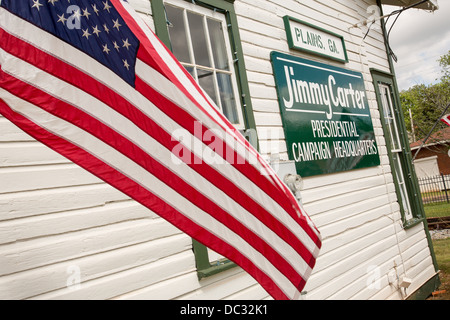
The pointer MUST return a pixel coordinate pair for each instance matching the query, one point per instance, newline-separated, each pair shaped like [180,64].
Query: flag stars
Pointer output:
[94,7]
[116,46]
[77,14]
[117,24]
[126,44]
[106,7]
[125,64]
[52,2]
[86,34]
[86,13]
[37,4]
[61,19]
[106,49]
[96,31]
[106,28]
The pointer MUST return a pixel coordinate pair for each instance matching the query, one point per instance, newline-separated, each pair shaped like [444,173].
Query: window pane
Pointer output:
[190,70]
[402,186]
[227,97]
[206,81]
[218,45]
[198,37]
[177,33]
[389,117]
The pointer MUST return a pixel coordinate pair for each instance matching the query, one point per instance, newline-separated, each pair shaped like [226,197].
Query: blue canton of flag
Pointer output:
[93,26]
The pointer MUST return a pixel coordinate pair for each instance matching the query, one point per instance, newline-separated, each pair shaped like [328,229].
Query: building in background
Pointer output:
[432,157]
[312,85]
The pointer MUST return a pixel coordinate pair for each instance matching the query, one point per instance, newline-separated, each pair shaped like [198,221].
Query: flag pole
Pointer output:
[429,134]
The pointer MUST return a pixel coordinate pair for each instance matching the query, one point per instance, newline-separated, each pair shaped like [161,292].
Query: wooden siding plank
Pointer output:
[20,256]
[96,268]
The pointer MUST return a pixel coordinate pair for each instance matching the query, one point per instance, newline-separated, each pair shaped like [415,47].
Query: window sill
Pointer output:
[222,265]
[412,222]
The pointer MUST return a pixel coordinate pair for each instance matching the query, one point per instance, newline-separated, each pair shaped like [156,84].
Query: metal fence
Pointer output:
[435,189]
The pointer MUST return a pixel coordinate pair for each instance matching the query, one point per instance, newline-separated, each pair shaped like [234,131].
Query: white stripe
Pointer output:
[72,56]
[134,172]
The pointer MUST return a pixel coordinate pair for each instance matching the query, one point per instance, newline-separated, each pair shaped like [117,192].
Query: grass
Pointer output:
[441,248]
[442,252]
[434,210]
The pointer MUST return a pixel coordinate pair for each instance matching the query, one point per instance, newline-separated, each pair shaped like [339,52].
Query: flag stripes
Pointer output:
[446,119]
[125,108]
[124,135]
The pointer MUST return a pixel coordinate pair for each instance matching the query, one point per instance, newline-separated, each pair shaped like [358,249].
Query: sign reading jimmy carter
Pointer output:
[325,115]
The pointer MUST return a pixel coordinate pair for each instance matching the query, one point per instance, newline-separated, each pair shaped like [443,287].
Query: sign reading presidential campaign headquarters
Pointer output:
[326,116]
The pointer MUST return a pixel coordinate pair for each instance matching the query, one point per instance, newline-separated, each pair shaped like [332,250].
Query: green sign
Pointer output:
[306,37]
[326,116]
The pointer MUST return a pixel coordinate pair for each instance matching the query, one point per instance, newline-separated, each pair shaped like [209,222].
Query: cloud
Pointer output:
[418,39]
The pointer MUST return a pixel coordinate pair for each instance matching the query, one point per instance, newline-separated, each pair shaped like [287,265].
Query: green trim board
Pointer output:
[405,155]
[425,291]
[326,116]
[306,37]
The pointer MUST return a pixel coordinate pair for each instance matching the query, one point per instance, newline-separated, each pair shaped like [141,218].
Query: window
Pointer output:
[395,146]
[204,37]
[398,150]
[198,41]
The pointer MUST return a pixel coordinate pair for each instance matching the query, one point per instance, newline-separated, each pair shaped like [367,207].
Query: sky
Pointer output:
[418,39]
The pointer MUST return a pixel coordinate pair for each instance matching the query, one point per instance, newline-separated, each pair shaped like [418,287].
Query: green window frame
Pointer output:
[205,267]
[397,144]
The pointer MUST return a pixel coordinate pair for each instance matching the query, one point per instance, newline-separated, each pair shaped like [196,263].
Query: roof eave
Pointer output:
[429,5]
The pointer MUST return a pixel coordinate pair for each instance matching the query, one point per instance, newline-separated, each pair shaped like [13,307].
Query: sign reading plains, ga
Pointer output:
[306,37]
[325,115]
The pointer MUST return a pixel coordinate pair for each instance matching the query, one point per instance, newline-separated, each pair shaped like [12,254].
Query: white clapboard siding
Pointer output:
[60,224]
[357,212]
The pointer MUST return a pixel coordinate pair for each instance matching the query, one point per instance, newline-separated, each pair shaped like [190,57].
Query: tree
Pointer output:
[444,62]
[422,105]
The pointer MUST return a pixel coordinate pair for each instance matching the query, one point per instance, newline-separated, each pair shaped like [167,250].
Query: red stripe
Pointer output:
[79,79]
[126,147]
[140,194]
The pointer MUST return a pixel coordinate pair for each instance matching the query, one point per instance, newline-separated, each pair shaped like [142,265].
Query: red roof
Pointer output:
[441,136]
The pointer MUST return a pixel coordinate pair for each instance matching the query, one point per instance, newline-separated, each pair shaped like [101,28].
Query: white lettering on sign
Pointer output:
[316,40]
[328,95]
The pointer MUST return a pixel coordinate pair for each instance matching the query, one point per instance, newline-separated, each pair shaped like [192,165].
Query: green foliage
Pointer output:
[426,103]
[444,62]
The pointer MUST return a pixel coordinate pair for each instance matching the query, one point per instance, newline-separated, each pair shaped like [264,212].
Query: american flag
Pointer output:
[446,119]
[90,80]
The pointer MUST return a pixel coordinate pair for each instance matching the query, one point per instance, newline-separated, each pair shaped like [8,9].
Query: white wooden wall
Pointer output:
[356,211]
[59,224]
